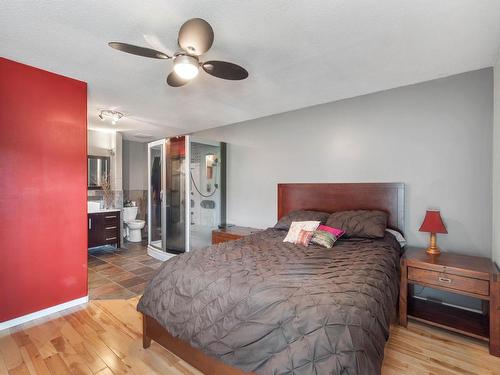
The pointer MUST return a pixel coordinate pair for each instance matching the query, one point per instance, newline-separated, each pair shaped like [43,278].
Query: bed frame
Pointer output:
[388,197]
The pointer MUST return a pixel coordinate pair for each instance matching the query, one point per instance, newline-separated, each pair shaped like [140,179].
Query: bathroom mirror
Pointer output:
[97,168]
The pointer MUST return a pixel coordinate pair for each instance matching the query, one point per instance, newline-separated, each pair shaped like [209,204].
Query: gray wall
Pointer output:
[435,136]
[135,165]
[496,167]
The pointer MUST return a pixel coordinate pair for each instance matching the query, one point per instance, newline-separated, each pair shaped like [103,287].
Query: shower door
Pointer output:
[167,232]
[186,194]
[176,238]
[156,192]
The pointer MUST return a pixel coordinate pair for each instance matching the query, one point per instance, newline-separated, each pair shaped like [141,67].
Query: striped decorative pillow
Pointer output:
[297,226]
[304,237]
[323,238]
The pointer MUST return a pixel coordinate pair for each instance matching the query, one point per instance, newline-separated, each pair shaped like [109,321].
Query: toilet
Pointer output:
[132,226]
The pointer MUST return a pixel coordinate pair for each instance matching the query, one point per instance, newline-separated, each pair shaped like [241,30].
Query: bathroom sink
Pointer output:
[93,206]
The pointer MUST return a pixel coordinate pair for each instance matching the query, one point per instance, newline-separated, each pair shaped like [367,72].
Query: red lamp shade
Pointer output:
[433,223]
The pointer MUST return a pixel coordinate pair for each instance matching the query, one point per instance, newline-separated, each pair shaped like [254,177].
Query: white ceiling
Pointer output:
[298,53]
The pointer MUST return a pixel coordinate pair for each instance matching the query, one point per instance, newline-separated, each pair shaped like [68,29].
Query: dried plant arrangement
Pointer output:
[107,192]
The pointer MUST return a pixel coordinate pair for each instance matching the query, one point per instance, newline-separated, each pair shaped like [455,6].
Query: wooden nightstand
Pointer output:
[231,233]
[461,274]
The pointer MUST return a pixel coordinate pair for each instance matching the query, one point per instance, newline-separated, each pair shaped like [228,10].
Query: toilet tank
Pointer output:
[129,213]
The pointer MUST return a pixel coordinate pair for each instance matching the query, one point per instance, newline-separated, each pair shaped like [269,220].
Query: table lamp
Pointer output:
[433,224]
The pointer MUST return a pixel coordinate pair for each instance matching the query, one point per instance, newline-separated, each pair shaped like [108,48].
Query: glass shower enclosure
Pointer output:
[186,194]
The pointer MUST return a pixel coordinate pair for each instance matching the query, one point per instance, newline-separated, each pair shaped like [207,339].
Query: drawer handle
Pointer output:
[444,280]
[110,238]
[110,217]
[110,228]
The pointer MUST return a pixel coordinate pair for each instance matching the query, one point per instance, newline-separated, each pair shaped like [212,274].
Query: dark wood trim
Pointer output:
[146,340]
[332,197]
[403,295]
[152,330]
[495,315]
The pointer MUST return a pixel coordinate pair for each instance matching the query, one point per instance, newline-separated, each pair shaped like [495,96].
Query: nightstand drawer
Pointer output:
[446,280]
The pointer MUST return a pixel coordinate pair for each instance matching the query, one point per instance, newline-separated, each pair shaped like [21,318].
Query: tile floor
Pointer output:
[120,273]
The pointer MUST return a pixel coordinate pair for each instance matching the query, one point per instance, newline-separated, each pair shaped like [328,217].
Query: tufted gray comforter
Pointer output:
[278,308]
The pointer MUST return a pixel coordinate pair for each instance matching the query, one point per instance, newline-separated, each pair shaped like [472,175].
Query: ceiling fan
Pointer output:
[195,38]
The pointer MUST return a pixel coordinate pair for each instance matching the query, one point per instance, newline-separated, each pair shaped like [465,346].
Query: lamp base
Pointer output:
[433,249]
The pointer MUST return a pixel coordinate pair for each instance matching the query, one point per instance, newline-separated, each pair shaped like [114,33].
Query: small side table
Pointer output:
[471,276]
[231,233]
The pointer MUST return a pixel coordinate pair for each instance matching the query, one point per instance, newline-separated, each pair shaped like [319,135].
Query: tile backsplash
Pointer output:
[141,198]
[98,195]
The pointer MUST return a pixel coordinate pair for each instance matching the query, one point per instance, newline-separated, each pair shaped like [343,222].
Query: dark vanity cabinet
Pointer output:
[104,228]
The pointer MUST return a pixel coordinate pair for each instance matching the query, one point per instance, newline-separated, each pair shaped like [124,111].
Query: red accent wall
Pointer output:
[43,189]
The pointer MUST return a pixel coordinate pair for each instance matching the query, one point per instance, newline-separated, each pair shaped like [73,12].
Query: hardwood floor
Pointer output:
[104,337]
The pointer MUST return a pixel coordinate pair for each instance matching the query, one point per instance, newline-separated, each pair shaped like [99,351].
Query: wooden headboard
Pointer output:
[388,197]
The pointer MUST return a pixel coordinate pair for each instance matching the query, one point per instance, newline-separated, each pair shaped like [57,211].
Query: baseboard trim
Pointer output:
[158,254]
[42,313]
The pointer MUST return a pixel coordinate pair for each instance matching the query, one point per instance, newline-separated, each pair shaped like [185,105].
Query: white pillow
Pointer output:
[297,226]
[399,237]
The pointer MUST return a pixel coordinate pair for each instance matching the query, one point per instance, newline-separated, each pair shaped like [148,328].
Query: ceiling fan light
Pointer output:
[186,67]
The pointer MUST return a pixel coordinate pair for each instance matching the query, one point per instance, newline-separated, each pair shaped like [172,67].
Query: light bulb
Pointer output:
[186,67]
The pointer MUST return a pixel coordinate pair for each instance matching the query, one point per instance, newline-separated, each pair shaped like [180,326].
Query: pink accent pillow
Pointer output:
[336,232]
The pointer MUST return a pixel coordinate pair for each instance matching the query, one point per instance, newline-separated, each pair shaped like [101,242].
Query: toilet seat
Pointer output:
[135,224]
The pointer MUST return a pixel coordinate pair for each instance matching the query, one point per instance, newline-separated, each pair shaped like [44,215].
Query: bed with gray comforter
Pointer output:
[279,308]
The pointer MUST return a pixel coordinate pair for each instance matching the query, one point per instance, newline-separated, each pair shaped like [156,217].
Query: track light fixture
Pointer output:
[113,116]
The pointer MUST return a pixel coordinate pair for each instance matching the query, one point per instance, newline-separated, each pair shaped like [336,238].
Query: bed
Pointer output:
[261,306]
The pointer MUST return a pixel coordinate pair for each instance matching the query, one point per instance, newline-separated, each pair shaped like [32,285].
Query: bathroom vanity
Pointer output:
[104,228]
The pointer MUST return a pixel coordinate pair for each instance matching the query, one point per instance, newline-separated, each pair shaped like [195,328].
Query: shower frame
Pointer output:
[163,253]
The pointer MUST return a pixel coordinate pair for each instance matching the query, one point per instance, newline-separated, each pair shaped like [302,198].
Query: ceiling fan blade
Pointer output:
[225,70]
[152,41]
[196,36]
[140,51]
[175,81]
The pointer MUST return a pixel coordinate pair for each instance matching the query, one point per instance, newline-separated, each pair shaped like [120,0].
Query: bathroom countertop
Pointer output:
[103,210]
